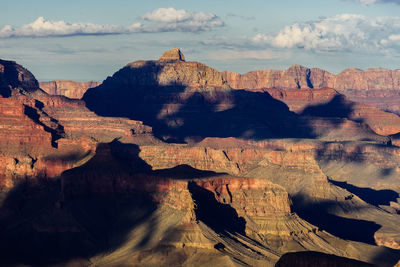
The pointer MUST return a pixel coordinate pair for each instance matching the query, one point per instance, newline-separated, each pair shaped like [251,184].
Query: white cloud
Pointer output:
[171,19]
[173,15]
[44,28]
[373,2]
[346,32]
[167,20]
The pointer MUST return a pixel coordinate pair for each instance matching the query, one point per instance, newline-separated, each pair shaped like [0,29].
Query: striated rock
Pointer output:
[42,135]
[70,89]
[387,100]
[188,101]
[327,102]
[249,209]
[295,77]
[302,77]
[172,55]
[376,87]
[370,79]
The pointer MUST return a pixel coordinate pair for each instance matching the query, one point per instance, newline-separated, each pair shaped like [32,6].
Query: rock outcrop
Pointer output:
[172,55]
[70,89]
[13,75]
[42,135]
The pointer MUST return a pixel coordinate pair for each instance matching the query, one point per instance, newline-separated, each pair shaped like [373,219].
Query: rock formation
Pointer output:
[327,102]
[70,89]
[294,77]
[172,55]
[297,76]
[43,135]
[186,101]
[376,87]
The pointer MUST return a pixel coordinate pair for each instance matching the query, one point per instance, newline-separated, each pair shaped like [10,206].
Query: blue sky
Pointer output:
[90,40]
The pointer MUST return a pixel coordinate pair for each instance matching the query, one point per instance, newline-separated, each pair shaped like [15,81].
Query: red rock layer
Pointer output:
[70,89]
[42,136]
[329,101]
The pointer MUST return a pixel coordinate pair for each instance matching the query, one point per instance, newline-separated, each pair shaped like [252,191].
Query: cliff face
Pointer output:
[302,77]
[295,77]
[13,75]
[70,89]
[42,135]
[376,87]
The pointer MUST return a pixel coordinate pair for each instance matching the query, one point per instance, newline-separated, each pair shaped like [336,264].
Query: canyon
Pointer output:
[169,162]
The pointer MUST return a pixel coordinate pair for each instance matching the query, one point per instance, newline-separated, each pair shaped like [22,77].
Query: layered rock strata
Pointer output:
[70,89]
[376,87]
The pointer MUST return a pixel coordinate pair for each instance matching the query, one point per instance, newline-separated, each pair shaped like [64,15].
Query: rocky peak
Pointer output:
[13,75]
[172,55]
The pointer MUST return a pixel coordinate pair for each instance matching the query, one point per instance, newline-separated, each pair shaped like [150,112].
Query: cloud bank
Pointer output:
[346,32]
[162,20]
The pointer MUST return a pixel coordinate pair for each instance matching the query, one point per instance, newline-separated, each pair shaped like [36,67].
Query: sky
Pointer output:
[91,39]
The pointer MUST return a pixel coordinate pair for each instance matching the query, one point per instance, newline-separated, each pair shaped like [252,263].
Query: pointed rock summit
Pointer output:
[172,55]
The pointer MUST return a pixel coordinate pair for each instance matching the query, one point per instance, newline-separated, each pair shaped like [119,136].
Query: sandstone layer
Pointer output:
[70,89]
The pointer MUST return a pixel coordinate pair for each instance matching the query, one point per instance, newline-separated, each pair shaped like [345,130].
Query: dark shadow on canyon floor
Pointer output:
[337,107]
[318,213]
[91,209]
[37,227]
[369,195]
[219,217]
[318,259]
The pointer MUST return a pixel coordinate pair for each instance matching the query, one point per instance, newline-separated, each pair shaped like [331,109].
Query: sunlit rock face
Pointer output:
[70,89]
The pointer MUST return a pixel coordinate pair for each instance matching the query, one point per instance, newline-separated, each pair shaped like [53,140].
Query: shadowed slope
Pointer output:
[187,100]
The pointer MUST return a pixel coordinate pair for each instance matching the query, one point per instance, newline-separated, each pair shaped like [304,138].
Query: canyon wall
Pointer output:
[376,87]
[70,89]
